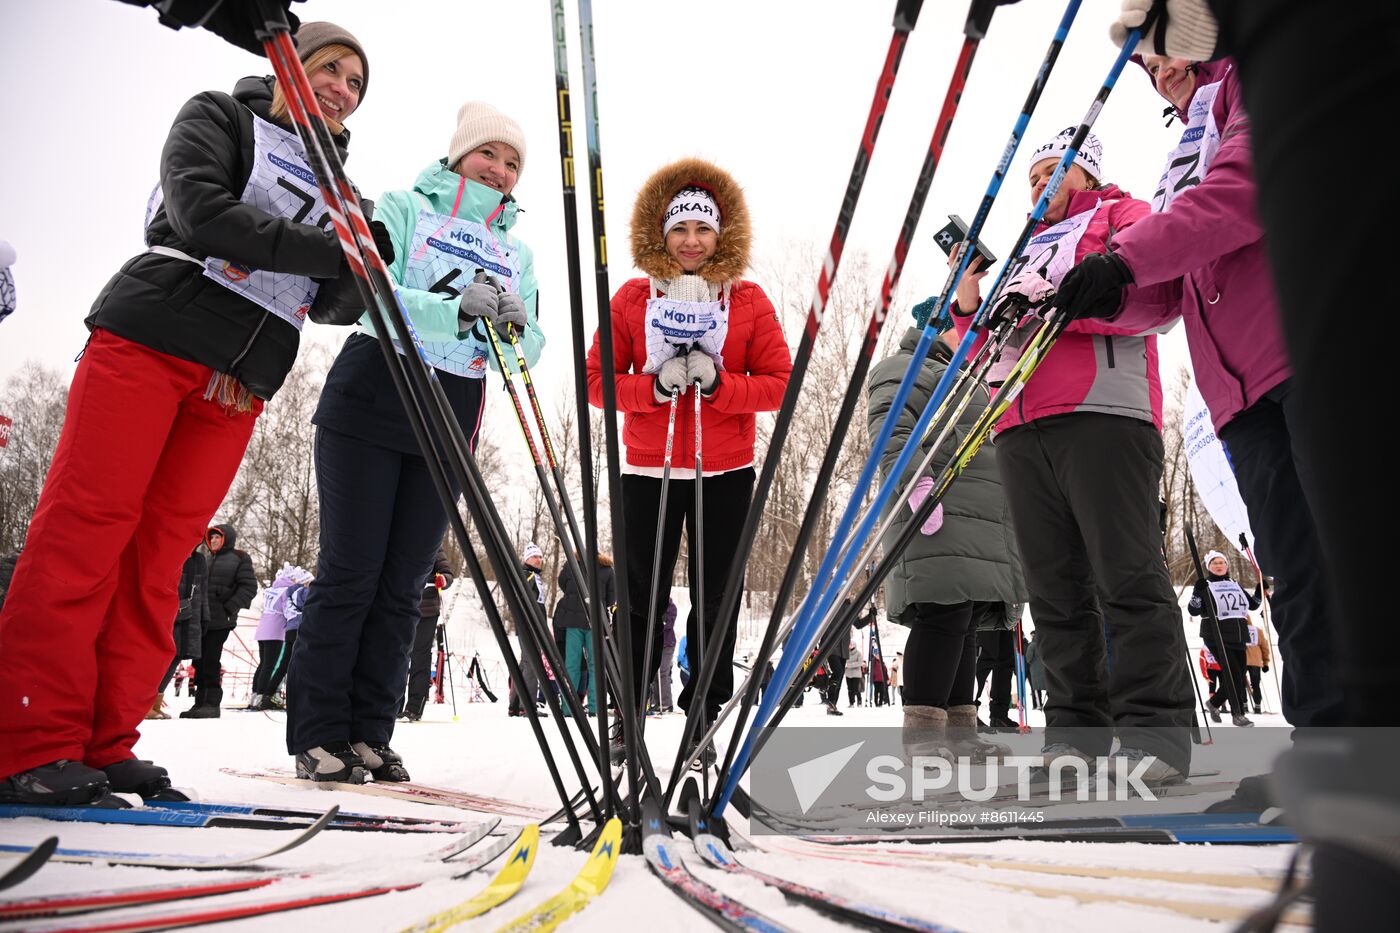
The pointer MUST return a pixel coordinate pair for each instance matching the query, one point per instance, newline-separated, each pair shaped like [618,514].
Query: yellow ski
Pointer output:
[507,881]
[587,884]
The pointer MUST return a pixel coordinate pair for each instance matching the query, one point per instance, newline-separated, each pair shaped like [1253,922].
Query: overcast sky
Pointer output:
[776,91]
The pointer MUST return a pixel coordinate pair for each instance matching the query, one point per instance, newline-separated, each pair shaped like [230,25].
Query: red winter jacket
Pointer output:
[755,376]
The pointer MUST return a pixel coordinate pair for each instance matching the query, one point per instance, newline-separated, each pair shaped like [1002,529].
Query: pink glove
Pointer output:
[1024,292]
[921,490]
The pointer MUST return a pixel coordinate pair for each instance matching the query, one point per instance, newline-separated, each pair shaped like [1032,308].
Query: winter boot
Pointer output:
[1157,774]
[831,710]
[1214,712]
[413,709]
[138,776]
[1003,724]
[61,783]
[198,702]
[157,710]
[208,705]
[962,739]
[334,761]
[1241,720]
[256,701]
[706,758]
[925,730]
[383,762]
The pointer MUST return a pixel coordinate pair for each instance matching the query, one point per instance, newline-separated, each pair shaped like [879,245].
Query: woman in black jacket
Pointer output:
[571,617]
[189,339]
[231,588]
[1225,630]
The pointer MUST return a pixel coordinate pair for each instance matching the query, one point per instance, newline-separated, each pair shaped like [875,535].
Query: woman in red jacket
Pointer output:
[692,319]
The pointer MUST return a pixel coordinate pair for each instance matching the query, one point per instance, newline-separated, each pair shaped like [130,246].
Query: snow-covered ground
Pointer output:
[486,752]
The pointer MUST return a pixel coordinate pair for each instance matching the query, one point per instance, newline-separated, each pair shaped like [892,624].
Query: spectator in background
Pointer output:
[232,586]
[190,620]
[420,660]
[272,636]
[572,615]
[661,697]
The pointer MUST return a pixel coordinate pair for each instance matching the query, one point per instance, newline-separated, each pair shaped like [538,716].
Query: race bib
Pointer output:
[1050,255]
[1230,601]
[675,327]
[282,184]
[444,257]
[1187,165]
[1254,636]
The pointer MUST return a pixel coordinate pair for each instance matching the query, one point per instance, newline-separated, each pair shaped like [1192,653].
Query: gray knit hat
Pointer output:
[312,37]
[479,123]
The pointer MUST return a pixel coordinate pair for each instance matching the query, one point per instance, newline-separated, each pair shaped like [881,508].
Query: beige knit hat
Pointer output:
[479,123]
[312,37]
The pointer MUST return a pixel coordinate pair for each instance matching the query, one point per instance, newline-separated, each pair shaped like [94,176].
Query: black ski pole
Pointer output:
[656,547]
[579,338]
[905,16]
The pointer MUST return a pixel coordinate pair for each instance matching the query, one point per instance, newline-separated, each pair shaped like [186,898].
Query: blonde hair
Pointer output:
[318,60]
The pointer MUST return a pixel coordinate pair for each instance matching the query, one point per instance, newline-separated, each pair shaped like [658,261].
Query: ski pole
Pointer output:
[414,379]
[1021,692]
[698,701]
[578,342]
[818,608]
[1264,606]
[652,599]
[905,17]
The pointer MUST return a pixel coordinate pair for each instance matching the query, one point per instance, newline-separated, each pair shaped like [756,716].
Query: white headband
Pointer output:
[690,203]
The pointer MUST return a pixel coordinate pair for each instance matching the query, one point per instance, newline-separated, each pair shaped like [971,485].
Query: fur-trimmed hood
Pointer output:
[731,258]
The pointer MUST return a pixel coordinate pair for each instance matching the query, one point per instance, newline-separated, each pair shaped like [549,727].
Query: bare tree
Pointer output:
[36,399]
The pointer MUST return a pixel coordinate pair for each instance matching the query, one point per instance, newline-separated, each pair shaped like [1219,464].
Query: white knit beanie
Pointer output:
[479,123]
[1089,157]
[1212,555]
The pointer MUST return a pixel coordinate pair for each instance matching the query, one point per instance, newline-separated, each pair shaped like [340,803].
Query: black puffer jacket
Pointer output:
[570,612]
[431,603]
[192,617]
[168,304]
[232,584]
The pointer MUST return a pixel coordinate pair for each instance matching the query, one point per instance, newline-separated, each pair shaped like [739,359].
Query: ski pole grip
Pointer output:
[274,19]
[906,14]
[979,18]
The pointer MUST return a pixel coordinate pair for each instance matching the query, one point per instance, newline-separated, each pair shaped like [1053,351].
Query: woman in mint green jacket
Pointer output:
[458,272]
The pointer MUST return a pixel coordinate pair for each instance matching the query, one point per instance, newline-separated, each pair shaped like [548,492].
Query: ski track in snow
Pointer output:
[486,752]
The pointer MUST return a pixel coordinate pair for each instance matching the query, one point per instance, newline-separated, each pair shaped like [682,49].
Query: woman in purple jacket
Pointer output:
[1204,247]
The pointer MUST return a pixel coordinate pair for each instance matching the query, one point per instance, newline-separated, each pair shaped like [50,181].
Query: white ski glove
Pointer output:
[1027,291]
[670,378]
[1190,29]
[700,367]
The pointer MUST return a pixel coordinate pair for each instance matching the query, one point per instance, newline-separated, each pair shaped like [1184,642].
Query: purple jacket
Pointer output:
[1208,251]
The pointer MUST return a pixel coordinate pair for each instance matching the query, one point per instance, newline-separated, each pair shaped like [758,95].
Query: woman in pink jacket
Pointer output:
[1080,456]
[1203,250]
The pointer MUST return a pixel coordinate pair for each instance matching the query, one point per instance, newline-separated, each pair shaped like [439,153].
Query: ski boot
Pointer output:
[1214,712]
[60,783]
[383,762]
[706,758]
[138,776]
[1241,720]
[1157,774]
[206,706]
[333,761]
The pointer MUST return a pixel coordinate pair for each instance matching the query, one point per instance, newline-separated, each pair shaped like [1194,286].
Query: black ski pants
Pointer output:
[420,659]
[1232,677]
[273,658]
[726,504]
[208,667]
[1270,470]
[940,655]
[381,525]
[1082,489]
[996,657]
[1256,689]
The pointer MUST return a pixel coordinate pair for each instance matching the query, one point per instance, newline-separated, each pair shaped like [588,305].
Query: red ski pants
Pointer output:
[86,633]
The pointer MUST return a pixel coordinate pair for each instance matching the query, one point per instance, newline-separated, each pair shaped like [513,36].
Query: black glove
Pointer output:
[382,241]
[237,22]
[1265,668]
[1094,288]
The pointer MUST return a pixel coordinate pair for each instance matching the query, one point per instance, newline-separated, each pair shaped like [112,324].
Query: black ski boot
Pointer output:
[413,709]
[383,762]
[61,783]
[706,758]
[207,706]
[138,776]
[334,761]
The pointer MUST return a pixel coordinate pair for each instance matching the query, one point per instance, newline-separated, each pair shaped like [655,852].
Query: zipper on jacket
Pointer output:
[1108,349]
[249,345]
